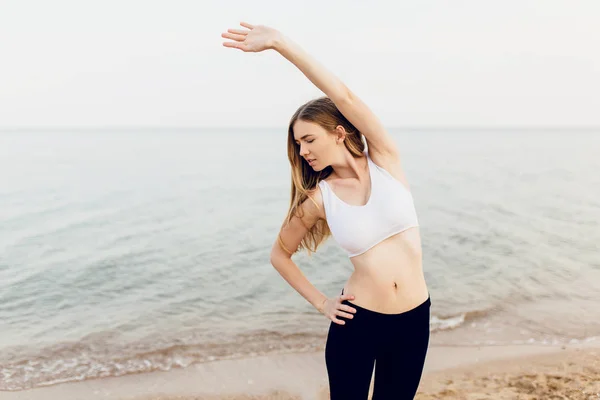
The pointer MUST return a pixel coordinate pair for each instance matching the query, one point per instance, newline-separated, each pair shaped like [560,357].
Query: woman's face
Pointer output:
[316,144]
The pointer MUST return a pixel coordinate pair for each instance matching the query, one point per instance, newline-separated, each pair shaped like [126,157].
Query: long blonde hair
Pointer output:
[323,112]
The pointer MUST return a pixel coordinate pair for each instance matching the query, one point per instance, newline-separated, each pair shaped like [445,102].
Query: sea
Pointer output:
[141,249]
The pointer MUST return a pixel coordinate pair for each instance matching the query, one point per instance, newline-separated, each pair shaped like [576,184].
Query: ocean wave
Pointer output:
[452,322]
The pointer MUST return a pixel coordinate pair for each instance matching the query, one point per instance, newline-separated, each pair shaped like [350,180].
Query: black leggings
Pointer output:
[395,343]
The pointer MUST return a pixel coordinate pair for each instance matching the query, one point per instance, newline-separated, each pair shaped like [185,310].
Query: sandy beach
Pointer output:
[477,372]
[567,374]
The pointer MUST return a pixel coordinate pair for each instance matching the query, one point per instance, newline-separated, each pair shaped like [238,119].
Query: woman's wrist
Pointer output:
[321,306]
[278,42]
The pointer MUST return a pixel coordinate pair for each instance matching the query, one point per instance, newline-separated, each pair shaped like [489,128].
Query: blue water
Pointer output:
[129,251]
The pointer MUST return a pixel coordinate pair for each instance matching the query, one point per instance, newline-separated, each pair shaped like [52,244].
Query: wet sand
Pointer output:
[478,372]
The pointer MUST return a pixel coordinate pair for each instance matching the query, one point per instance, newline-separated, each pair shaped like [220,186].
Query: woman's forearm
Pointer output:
[326,81]
[294,276]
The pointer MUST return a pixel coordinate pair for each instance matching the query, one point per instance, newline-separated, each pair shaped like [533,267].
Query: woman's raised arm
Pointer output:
[261,37]
[322,78]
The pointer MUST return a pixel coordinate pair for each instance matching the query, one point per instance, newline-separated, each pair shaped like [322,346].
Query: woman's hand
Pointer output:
[258,38]
[334,307]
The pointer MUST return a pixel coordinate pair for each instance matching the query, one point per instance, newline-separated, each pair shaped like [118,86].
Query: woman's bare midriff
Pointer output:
[389,278]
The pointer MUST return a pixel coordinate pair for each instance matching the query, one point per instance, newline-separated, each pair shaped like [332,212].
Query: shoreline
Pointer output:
[450,372]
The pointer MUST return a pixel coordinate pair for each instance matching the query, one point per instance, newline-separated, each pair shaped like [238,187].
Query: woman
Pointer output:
[361,197]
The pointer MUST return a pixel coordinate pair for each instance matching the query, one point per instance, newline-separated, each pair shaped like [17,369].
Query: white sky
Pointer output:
[416,63]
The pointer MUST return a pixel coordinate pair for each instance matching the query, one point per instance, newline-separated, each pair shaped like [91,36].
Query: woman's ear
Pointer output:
[340,133]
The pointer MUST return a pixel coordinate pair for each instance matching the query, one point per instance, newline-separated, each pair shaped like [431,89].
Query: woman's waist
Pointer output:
[389,288]
[388,274]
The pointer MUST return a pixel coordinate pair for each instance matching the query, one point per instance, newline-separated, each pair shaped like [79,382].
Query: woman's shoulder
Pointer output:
[314,204]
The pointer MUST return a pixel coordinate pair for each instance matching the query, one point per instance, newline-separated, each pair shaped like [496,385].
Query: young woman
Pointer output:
[359,195]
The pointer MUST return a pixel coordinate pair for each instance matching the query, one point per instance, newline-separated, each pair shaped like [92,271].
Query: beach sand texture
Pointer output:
[487,372]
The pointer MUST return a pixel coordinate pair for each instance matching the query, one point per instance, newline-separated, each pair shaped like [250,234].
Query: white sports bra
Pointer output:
[389,210]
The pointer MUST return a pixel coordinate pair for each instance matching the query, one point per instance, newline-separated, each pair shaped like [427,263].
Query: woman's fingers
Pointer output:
[344,314]
[257,39]
[238,31]
[340,313]
[348,308]
[238,35]
[235,45]
[239,38]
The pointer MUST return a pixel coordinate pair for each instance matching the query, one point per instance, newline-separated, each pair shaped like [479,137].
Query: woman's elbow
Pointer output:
[277,256]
